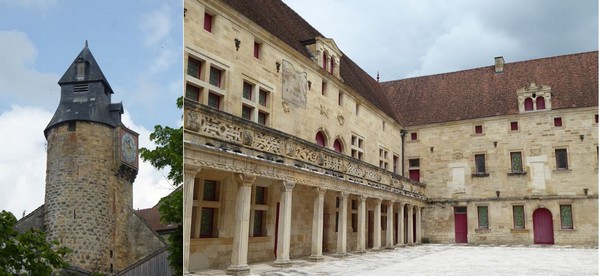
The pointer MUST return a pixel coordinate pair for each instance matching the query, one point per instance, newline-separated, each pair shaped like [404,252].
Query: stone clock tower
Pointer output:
[91,165]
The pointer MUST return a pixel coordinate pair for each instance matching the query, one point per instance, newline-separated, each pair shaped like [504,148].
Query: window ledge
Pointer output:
[480,175]
[483,230]
[519,230]
[567,229]
[517,173]
[562,170]
[477,134]
[260,239]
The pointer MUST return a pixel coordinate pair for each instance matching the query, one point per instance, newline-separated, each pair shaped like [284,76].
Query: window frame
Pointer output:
[209,20]
[512,164]
[563,226]
[476,156]
[566,158]
[479,217]
[522,212]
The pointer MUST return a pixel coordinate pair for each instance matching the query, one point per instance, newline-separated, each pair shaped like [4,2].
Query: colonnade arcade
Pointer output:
[288,219]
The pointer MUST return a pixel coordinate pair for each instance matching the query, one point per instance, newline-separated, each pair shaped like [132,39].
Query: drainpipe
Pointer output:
[402,135]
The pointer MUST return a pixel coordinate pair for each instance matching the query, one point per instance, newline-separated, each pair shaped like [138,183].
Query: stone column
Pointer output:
[418,222]
[189,175]
[285,222]
[316,253]
[410,224]
[389,240]
[239,252]
[342,225]
[377,226]
[400,225]
[362,225]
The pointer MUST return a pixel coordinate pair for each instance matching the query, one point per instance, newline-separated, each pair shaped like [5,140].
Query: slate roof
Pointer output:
[284,23]
[152,218]
[480,92]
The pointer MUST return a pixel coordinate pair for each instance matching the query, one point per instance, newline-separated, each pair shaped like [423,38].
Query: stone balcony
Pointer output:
[214,130]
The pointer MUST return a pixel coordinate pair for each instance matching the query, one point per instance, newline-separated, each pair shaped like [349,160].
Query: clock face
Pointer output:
[128,148]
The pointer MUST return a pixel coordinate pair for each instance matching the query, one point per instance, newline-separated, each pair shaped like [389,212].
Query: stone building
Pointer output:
[92,163]
[292,150]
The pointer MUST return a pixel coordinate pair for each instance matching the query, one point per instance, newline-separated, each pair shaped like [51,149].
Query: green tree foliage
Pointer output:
[27,253]
[169,152]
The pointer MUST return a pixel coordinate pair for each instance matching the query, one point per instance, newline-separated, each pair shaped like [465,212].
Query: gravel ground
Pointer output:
[445,260]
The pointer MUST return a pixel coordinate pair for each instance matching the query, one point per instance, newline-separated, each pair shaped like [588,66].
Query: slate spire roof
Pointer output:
[85,94]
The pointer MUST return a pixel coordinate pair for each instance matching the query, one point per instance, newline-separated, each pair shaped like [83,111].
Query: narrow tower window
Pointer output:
[80,69]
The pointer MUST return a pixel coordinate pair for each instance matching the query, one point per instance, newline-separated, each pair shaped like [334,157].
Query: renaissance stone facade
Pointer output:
[291,150]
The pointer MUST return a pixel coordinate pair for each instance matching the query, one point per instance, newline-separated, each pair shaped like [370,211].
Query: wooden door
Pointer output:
[460,224]
[370,229]
[543,231]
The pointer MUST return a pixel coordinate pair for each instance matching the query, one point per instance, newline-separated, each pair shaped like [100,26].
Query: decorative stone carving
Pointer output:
[286,106]
[324,111]
[535,152]
[340,119]
[246,138]
[268,143]
[290,149]
[457,156]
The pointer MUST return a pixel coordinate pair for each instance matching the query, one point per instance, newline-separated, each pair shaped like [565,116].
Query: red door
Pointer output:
[543,231]
[460,224]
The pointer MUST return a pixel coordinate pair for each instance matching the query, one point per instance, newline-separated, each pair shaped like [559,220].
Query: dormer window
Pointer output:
[325,54]
[534,98]
[80,64]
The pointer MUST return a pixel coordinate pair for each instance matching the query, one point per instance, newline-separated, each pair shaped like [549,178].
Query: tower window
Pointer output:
[72,126]
[80,69]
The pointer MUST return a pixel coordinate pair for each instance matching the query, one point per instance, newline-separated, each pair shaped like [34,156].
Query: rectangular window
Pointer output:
[259,222]
[413,136]
[262,118]
[263,97]
[566,217]
[192,92]
[395,160]
[357,147]
[596,118]
[324,88]
[260,196]
[480,163]
[208,22]
[247,91]
[478,129]
[194,67]
[516,163]
[514,126]
[414,171]
[210,191]
[215,77]
[340,98]
[214,100]
[247,112]
[558,122]
[383,161]
[356,109]
[519,217]
[383,125]
[561,159]
[482,217]
[208,223]
[256,49]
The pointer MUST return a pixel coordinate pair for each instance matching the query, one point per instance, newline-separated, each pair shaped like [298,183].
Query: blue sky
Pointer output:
[138,45]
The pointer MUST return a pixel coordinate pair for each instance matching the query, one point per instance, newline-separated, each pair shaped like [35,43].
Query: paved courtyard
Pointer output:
[445,260]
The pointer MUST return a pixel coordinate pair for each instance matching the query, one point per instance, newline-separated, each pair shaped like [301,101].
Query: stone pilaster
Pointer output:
[389,240]
[189,176]
[377,226]
[285,221]
[418,222]
[410,240]
[362,224]
[342,224]
[400,222]
[239,252]
[316,253]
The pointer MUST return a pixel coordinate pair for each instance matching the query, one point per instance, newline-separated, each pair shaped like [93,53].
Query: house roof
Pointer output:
[284,23]
[152,218]
[480,92]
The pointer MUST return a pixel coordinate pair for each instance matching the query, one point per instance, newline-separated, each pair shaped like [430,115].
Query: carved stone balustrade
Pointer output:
[211,128]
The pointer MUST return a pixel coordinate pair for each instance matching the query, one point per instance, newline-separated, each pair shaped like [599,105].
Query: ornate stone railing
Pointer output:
[228,132]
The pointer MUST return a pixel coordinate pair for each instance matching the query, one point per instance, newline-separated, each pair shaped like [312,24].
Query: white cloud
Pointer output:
[20,82]
[23,158]
[156,26]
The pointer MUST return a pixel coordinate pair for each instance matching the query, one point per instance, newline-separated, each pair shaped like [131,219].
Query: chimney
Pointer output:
[499,61]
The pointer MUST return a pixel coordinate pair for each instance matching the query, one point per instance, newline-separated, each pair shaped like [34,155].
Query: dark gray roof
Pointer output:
[85,96]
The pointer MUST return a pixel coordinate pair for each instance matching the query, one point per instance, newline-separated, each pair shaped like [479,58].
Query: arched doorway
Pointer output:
[543,231]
